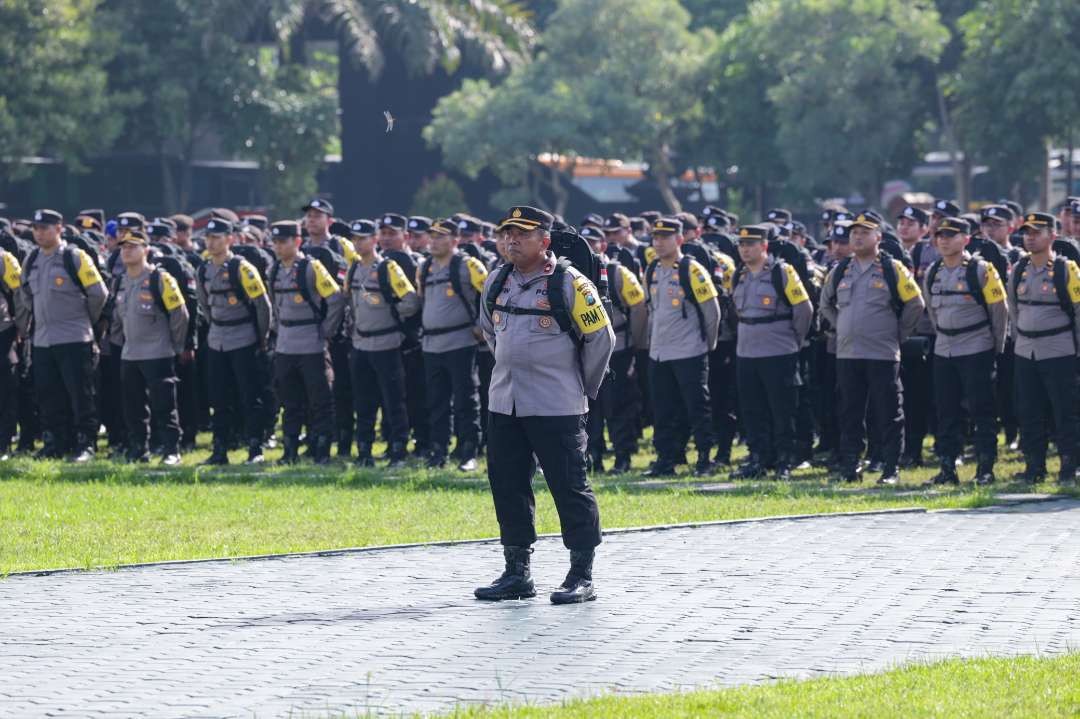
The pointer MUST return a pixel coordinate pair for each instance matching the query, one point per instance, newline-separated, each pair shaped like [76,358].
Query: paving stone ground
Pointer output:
[396,631]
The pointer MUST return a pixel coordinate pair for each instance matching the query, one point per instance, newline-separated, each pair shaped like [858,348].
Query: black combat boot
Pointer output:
[750,469]
[890,474]
[1067,473]
[704,466]
[984,471]
[50,449]
[661,468]
[344,444]
[291,451]
[578,585]
[467,457]
[218,457]
[850,470]
[622,464]
[363,455]
[322,449]
[255,452]
[84,449]
[436,459]
[515,582]
[946,475]
[396,455]
[1034,471]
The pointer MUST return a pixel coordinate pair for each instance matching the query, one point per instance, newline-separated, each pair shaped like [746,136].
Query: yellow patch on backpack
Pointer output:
[905,283]
[399,283]
[249,278]
[324,283]
[703,287]
[793,288]
[992,290]
[12,271]
[88,272]
[632,293]
[170,292]
[650,255]
[727,271]
[1074,281]
[588,313]
[477,273]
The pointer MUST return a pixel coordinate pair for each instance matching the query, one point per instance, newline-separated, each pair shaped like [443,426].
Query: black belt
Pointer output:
[523,311]
[1044,333]
[1047,303]
[434,332]
[763,320]
[432,283]
[962,330]
[619,328]
[230,323]
[299,323]
[377,333]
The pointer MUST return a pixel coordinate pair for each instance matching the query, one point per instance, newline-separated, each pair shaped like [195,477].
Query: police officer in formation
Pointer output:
[955,326]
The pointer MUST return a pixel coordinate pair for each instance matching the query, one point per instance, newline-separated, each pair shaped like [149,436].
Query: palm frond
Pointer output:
[356,28]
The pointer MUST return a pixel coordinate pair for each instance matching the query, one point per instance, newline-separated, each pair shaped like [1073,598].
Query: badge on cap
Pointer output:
[413,224]
[37,216]
[387,220]
[516,213]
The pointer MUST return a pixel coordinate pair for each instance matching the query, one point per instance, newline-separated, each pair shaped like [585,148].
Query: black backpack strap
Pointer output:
[349,275]
[892,281]
[1018,271]
[382,274]
[971,276]
[233,268]
[496,287]
[650,272]
[931,274]
[67,257]
[155,289]
[1061,286]
[688,291]
[456,261]
[776,276]
[916,257]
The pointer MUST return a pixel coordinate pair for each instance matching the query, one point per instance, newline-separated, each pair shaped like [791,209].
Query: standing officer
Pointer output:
[873,302]
[152,318]
[234,301]
[916,369]
[419,234]
[774,314]
[552,341]
[381,297]
[966,303]
[1044,291]
[10,303]
[450,283]
[308,309]
[63,296]
[684,323]
[996,225]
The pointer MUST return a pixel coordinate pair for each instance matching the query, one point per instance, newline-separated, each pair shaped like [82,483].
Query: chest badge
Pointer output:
[233,300]
[543,304]
[449,291]
[59,281]
[298,298]
[766,300]
[877,284]
[496,317]
[674,301]
[545,322]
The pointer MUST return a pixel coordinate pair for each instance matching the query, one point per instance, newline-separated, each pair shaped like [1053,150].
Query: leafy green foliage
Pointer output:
[438,196]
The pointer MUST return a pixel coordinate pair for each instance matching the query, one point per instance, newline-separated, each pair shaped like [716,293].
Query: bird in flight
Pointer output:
[389,120]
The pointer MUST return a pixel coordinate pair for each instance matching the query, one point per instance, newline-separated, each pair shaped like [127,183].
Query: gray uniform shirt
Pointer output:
[768,325]
[443,307]
[299,331]
[674,330]
[1036,284]
[861,310]
[626,292]
[371,309]
[11,297]
[139,323]
[230,318]
[62,314]
[950,312]
[927,255]
[539,370]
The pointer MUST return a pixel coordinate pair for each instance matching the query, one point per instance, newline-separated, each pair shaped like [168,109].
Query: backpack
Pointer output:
[317,308]
[888,270]
[974,290]
[455,283]
[259,258]
[1061,289]
[555,284]
[67,255]
[687,288]
[232,267]
[155,291]
[334,262]
[382,274]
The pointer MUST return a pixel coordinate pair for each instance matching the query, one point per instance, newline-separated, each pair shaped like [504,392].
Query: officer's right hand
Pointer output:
[187,357]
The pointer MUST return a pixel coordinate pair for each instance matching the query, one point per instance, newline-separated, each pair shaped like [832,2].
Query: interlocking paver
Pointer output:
[395,631]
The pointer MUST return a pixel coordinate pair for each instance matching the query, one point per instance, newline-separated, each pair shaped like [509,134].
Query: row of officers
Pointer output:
[717,331]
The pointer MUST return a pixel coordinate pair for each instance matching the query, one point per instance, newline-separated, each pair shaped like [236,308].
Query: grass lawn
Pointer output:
[55,515]
[1002,687]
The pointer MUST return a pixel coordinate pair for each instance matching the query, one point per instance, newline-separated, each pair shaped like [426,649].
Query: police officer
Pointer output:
[722,380]
[546,368]
[63,297]
[966,302]
[873,302]
[684,323]
[233,299]
[151,319]
[1044,292]
[381,297]
[450,283]
[774,314]
[418,235]
[308,308]
[10,303]
[915,365]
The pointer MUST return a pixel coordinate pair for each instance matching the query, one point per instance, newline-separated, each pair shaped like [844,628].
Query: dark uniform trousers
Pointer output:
[680,392]
[187,401]
[804,406]
[110,392]
[968,379]
[416,394]
[340,350]
[873,384]
[1006,407]
[723,395]
[235,373]
[644,367]
[916,377]
[1046,388]
[379,377]
[767,404]
[559,443]
[303,387]
[150,397]
[9,391]
[451,376]
[622,402]
[64,382]
[826,399]
[485,365]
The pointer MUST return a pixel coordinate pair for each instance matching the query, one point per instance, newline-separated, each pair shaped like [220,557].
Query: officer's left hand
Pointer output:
[187,356]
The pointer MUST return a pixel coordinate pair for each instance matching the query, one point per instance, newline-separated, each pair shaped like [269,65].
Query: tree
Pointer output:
[52,83]
[615,79]
[1016,85]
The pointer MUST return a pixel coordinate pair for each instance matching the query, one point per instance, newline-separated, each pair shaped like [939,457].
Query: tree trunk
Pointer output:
[1045,179]
[168,184]
[961,164]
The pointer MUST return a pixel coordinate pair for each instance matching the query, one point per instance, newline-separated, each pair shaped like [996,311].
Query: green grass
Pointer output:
[55,515]
[998,687]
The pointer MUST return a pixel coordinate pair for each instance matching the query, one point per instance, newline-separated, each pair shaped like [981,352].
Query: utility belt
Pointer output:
[763,320]
[377,333]
[299,323]
[1034,334]
[436,331]
[231,323]
[962,330]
